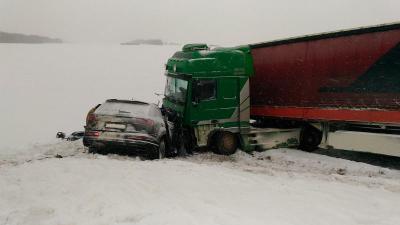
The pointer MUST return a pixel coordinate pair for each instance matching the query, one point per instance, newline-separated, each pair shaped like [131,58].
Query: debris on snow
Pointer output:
[341,171]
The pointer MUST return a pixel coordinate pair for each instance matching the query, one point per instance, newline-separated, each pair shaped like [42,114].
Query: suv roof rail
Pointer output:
[127,101]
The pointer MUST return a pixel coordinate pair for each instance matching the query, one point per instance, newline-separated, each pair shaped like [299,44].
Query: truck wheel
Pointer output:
[310,138]
[226,143]
[182,150]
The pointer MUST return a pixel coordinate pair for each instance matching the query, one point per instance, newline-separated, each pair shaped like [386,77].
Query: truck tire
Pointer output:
[182,150]
[310,138]
[185,146]
[226,143]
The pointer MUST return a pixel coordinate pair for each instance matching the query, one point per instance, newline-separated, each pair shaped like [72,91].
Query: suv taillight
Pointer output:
[92,133]
[91,118]
[147,123]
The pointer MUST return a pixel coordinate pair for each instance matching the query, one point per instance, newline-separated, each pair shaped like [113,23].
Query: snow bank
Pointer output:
[275,187]
[56,148]
[291,162]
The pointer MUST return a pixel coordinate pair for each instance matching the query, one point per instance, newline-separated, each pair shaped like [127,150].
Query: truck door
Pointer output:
[214,100]
[204,100]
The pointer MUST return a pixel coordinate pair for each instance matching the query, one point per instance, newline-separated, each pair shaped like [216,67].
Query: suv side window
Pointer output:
[205,89]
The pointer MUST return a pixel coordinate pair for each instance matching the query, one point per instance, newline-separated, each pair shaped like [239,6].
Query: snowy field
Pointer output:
[275,187]
[47,88]
[51,87]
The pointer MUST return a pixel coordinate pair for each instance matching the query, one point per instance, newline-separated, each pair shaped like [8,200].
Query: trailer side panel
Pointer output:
[353,77]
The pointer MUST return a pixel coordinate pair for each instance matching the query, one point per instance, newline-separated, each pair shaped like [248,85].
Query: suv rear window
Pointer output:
[125,108]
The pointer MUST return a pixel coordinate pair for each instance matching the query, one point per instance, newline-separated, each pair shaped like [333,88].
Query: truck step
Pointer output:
[267,138]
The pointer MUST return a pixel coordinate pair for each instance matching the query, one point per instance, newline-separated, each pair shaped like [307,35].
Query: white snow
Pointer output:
[50,87]
[275,187]
[47,88]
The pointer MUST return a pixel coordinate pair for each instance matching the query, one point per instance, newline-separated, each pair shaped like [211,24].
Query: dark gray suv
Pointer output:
[132,125]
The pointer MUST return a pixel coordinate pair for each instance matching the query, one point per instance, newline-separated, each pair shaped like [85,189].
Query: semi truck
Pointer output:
[332,90]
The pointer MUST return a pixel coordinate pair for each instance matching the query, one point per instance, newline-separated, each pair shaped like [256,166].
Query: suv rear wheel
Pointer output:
[92,150]
[162,148]
[160,152]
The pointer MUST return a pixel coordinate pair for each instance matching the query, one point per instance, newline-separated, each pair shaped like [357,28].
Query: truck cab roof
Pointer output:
[198,60]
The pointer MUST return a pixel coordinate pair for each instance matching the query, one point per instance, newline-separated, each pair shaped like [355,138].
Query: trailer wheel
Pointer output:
[310,138]
[226,143]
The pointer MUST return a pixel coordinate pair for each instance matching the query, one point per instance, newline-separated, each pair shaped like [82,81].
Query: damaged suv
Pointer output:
[133,125]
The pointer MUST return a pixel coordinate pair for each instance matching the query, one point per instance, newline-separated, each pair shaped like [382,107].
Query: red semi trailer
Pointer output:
[342,87]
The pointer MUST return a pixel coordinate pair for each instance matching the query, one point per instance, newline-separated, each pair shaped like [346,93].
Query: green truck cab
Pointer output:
[207,100]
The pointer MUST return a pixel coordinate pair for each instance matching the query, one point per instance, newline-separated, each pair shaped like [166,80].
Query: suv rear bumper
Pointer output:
[132,141]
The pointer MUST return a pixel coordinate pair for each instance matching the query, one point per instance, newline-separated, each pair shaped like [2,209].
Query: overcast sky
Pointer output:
[224,22]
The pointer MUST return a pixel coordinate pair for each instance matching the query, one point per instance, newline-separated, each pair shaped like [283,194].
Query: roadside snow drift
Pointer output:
[275,187]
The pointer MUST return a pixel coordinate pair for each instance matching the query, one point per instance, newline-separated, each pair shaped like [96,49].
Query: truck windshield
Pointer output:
[176,89]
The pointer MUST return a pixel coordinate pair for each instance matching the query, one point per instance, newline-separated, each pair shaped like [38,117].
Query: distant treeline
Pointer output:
[22,38]
[147,42]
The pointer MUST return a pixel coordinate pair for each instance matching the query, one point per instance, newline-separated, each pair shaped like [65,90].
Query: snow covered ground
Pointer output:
[47,88]
[275,187]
